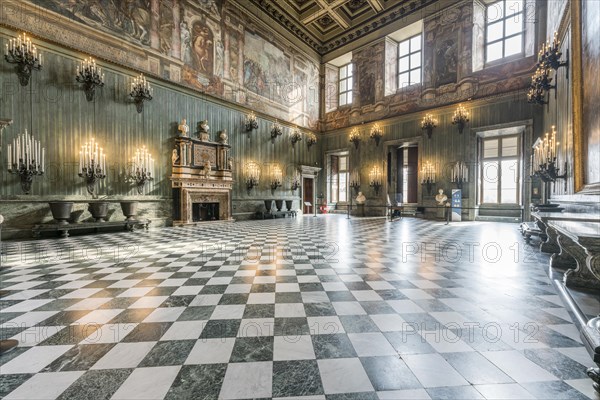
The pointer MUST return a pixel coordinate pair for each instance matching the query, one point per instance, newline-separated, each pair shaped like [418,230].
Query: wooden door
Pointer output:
[307,195]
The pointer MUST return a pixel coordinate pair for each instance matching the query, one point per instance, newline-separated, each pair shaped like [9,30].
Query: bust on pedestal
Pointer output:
[203,133]
[183,128]
[360,201]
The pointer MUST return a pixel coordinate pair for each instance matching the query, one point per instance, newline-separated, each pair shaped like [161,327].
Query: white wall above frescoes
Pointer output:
[210,45]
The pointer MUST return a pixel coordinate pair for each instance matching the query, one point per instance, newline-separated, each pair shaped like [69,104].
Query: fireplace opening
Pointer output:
[205,212]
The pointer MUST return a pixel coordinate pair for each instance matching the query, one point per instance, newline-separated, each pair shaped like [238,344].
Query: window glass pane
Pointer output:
[494,31]
[342,86]
[512,26]
[415,60]
[403,80]
[509,181]
[495,12]
[343,163]
[403,64]
[494,52]
[509,146]
[343,185]
[342,72]
[513,45]
[415,76]
[415,43]
[350,68]
[349,98]
[343,99]
[403,48]
[490,148]
[349,85]
[513,7]
[489,181]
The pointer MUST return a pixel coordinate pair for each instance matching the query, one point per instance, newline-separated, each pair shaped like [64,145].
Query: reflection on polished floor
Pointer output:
[324,307]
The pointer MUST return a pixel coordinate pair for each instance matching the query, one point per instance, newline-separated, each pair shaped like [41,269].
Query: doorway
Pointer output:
[307,195]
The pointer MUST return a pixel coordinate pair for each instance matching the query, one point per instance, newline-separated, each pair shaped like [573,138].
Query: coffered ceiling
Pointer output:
[326,25]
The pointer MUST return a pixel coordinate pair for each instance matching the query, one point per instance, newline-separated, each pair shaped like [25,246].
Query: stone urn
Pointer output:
[288,204]
[129,209]
[278,204]
[61,211]
[268,204]
[99,210]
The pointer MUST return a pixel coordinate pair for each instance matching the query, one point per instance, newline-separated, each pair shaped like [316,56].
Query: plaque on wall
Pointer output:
[203,153]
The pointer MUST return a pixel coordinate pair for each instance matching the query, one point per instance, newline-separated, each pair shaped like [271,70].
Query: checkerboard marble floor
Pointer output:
[310,307]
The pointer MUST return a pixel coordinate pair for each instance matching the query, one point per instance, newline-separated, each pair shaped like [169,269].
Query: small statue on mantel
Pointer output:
[441,197]
[230,163]
[183,128]
[223,136]
[206,168]
[174,157]
[203,132]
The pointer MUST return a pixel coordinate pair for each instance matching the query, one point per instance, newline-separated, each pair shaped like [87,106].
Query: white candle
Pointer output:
[43,156]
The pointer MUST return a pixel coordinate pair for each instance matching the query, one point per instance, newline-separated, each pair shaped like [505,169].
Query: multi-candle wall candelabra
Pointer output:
[311,139]
[548,59]
[460,118]
[355,181]
[26,158]
[92,165]
[355,137]
[460,174]
[376,134]
[428,123]
[428,176]
[141,91]
[142,168]
[252,175]
[276,177]
[295,136]
[544,159]
[91,76]
[276,131]
[24,54]
[251,122]
[376,179]
[295,182]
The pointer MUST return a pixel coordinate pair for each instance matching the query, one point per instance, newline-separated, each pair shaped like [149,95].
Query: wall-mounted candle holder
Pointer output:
[544,159]
[25,158]
[428,176]
[428,124]
[311,139]
[376,134]
[276,178]
[90,76]
[92,165]
[295,136]
[460,118]
[251,122]
[460,174]
[355,181]
[252,175]
[295,182]
[355,137]
[141,91]
[142,169]
[376,179]
[276,131]
[24,54]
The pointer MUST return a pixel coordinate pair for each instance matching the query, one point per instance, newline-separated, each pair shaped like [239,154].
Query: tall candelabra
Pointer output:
[141,91]
[548,58]
[91,76]
[276,178]
[460,174]
[92,165]
[460,118]
[24,54]
[544,159]
[295,182]
[252,175]
[376,179]
[428,176]
[142,168]
[26,158]
[355,181]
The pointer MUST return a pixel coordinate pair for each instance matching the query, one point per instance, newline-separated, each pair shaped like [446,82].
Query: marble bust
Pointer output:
[183,128]
[360,199]
[203,133]
[441,197]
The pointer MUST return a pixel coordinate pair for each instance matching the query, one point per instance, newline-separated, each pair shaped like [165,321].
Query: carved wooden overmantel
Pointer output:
[201,175]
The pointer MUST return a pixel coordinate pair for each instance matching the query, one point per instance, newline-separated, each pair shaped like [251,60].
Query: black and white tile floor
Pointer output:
[319,307]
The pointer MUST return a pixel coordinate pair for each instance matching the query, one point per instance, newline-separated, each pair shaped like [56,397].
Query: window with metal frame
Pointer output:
[409,61]
[345,85]
[504,29]
[500,170]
